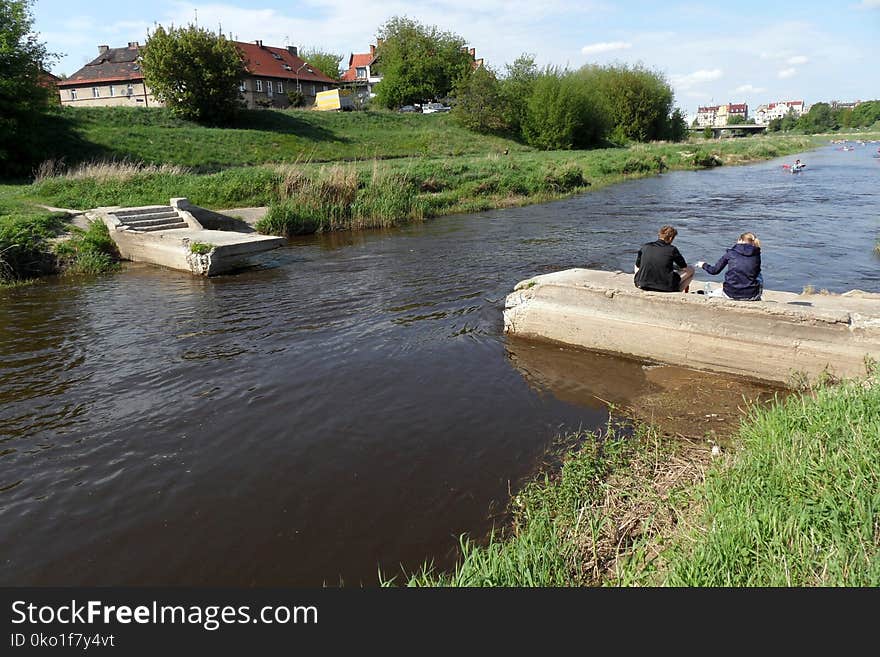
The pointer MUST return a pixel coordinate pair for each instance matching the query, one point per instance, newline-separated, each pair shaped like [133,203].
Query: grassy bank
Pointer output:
[155,136]
[794,504]
[395,190]
[35,242]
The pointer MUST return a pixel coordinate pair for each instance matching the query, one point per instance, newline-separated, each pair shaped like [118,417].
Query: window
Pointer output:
[112,90]
[96,93]
[280,88]
[73,94]
[259,85]
[242,86]
[361,71]
[269,90]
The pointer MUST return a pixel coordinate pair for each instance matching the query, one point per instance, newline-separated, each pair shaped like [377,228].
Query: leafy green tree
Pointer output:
[736,119]
[638,101]
[774,125]
[478,101]
[678,127]
[195,72]
[866,114]
[708,133]
[516,89]
[325,61]
[564,111]
[418,63]
[820,118]
[22,98]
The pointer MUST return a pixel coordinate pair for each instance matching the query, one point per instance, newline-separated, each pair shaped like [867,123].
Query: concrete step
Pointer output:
[138,211]
[153,222]
[165,226]
[147,215]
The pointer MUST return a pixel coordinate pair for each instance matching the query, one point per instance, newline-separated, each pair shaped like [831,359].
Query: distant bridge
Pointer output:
[717,129]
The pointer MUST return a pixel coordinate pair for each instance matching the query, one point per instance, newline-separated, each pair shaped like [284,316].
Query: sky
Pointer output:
[711,53]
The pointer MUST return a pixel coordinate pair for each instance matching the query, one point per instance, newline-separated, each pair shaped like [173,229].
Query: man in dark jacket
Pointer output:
[743,280]
[657,262]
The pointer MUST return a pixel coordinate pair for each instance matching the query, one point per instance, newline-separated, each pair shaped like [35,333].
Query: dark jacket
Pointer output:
[655,262]
[743,278]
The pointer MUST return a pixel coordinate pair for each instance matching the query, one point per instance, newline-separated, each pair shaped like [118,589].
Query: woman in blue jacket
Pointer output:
[743,280]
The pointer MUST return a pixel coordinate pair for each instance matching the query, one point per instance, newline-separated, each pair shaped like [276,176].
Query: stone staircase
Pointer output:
[160,217]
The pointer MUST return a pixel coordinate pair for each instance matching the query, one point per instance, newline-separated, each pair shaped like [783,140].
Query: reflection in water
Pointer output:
[677,400]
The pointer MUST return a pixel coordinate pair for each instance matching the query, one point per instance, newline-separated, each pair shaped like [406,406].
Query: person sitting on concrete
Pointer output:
[743,280]
[660,267]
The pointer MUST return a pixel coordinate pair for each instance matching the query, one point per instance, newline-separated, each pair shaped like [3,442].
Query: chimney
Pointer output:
[103,49]
[293,51]
[473,53]
[259,42]
[372,50]
[133,45]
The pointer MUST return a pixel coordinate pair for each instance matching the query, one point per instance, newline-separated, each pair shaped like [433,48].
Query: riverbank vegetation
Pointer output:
[792,503]
[823,118]
[36,242]
[386,192]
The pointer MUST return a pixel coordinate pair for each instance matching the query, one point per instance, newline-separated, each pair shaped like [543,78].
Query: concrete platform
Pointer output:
[165,235]
[786,336]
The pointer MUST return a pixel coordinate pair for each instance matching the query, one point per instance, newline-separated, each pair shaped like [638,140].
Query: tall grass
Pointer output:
[24,246]
[90,251]
[333,198]
[102,171]
[798,504]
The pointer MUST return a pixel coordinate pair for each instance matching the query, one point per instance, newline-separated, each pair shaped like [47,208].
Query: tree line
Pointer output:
[822,117]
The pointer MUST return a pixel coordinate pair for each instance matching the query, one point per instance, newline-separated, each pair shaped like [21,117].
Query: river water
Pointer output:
[352,404]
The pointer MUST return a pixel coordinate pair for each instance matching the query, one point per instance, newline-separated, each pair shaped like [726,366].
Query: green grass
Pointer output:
[200,248]
[90,251]
[155,136]
[24,234]
[796,502]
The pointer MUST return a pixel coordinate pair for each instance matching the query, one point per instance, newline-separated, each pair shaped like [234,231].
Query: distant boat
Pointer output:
[794,168]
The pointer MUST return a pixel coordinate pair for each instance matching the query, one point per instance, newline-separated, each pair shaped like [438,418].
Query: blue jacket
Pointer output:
[743,278]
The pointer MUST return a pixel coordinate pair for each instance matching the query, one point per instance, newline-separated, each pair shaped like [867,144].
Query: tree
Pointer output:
[678,127]
[736,119]
[516,89]
[194,72]
[638,101]
[418,63]
[865,114]
[325,61]
[820,118]
[22,99]
[564,111]
[478,101]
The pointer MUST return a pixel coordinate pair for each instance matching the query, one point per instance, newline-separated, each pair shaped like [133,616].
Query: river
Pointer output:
[353,404]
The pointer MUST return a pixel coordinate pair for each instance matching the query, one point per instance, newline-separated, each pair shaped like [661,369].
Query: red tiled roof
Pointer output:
[354,61]
[741,107]
[260,62]
[708,108]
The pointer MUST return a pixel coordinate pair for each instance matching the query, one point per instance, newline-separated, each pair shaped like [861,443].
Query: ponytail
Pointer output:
[750,238]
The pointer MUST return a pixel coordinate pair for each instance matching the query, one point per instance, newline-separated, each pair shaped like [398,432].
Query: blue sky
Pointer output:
[724,51]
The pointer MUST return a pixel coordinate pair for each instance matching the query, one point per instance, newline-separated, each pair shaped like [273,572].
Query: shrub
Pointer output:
[89,251]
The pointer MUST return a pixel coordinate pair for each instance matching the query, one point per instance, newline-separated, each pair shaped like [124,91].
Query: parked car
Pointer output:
[410,108]
[435,107]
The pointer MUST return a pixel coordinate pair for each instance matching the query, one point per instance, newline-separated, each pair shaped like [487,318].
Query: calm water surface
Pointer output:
[353,403]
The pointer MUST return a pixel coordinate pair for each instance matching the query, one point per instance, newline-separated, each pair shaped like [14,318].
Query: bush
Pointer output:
[563,112]
[90,251]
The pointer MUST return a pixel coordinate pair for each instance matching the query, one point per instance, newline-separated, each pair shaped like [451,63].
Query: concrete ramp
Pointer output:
[171,236]
[783,337]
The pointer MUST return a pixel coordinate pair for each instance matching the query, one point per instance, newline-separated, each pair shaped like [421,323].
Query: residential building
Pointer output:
[115,78]
[766,113]
[719,115]
[363,75]
[273,72]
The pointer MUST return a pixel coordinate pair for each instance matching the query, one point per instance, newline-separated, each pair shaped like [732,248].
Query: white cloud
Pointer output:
[797,59]
[786,73]
[605,46]
[748,89]
[868,4]
[697,77]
